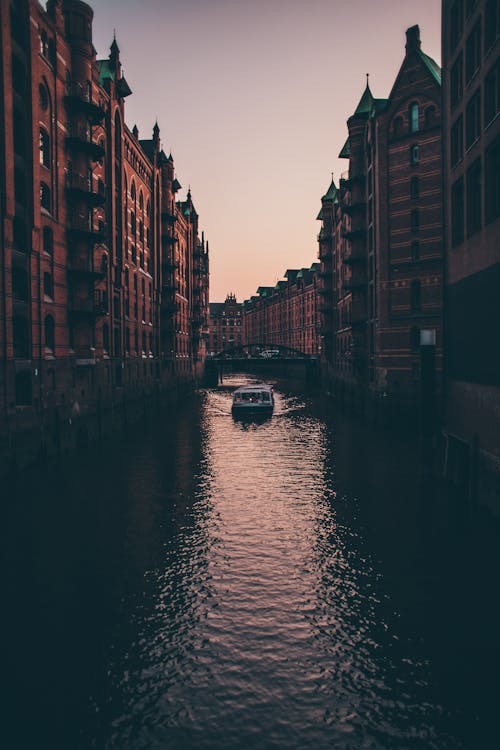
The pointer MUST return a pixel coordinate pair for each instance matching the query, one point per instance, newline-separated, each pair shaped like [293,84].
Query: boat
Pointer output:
[253,399]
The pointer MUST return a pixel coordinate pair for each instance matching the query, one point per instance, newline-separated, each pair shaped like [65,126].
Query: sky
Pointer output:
[252,98]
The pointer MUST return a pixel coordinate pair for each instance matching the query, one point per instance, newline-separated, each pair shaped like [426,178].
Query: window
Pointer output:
[141,231]
[492,94]
[473,120]
[413,117]
[398,126]
[43,99]
[20,335]
[474,198]
[492,182]
[415,250]
[457,80]
[49,328]
[491,23]
[414,338]
[415,220]
[415,295]
[430,117]
[132,191]
[414,154]
[133,223]
[45,201]
[105,337]
[457,141]
[457,213]
[456,23]
[44,148]
[48,240]
[48,285]
[473,52]
[44,44]
[133,253]
[20,284]
[414,187]
[141,201]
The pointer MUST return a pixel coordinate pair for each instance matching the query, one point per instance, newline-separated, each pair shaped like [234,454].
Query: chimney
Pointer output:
[413,39]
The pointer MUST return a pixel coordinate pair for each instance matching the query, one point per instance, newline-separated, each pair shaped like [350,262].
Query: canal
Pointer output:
[209,584]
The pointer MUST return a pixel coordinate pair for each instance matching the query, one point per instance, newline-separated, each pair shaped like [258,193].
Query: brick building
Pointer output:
[286,314]
[471,122]
[225,325]
[380,244]
[104,285]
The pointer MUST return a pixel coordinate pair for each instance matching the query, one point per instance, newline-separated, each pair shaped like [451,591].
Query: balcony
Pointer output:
[78,100]
[82,187]
[353,234]
[80,138]
[80,228]
[352,259]
[92,306]
[350,208]
[354,285]
[81,267]
[167,216]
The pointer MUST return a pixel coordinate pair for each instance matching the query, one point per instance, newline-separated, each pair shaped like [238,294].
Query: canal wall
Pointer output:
[32,436]
[470,476]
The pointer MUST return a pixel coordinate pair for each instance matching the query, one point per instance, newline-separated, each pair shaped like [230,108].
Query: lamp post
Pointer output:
[427,396]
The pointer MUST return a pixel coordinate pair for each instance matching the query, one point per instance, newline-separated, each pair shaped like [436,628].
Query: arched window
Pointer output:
[141,231]
[48,240]
[118,136]
[148,208]
[43,97]
[414,154]
[133,253]
[414,187]
[45,201]
[133,224]
[415,295]
[44,45]
[49,326]
[44,148]
[141,201]
[132,191]
[415,220]
[413,117]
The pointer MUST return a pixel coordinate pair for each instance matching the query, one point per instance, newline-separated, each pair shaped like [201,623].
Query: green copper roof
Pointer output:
[431,65]
[319,217]
[346,150]
[330,193]
[365,103]
[105,71]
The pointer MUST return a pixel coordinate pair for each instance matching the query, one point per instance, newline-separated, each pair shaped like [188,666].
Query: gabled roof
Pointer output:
[431,65]
[345,151]
[106,72]
[148,148]
[291,274]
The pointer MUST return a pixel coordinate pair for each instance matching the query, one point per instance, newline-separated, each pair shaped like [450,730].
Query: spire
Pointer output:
[366,102]
[135,132]
[156,136]
[114,49]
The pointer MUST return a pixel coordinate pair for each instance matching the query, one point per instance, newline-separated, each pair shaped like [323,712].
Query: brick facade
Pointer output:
[380,244]
[471,127]
[104,280]
[225,325]
[286,314]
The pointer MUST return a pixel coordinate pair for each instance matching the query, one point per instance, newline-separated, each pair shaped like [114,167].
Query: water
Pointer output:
[212,584]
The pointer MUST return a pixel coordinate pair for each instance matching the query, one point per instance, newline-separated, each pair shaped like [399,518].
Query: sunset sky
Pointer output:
[252,98]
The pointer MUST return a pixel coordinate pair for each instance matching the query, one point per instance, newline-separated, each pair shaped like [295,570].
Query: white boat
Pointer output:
[255,399]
